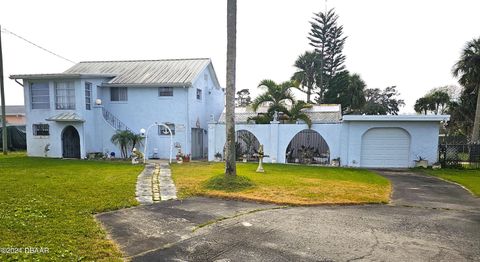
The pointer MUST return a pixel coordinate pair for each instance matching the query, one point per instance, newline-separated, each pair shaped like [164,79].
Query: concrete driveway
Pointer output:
[428,220]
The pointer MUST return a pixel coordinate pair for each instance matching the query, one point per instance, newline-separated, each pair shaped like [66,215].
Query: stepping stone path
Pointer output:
[155,184]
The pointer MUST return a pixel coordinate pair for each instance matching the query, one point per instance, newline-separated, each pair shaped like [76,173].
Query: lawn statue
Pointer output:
[260,156]
[136,155]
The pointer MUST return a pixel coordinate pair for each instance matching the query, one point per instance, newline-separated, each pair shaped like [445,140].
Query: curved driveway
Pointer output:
[428,220]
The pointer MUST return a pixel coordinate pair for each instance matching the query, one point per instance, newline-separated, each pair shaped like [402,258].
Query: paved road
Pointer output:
[428,220]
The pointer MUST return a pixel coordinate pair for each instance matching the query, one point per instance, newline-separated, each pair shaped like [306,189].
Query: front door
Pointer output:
[70,142]
[197,143]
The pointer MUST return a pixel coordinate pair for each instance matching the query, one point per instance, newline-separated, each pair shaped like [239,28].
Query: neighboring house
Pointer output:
[76,112]
[353,140]
[15,115]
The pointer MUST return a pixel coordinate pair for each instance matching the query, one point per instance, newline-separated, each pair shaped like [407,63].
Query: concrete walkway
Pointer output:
[155,183]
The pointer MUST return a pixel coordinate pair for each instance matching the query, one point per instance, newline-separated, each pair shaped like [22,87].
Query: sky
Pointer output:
[410,44]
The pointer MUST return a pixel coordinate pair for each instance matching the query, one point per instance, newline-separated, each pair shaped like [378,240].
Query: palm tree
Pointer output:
[355,93]
[123,139]
[440,99]
[275,95]
[230,165]
[423,105]
[136,139]
[307,65]
[296,113]
[468,69]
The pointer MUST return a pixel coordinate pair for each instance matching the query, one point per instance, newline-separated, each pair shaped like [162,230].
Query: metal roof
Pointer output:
[60,76]
[167,72]
[66,117]
[14,110]
[318,114]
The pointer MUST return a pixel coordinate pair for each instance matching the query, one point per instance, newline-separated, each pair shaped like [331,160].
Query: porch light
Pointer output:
[98,101]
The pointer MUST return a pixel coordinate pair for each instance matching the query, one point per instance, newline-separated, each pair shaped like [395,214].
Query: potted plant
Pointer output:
[218,157]
[436,165]
[336,161]
[421,162]
[179,156]
[186,158]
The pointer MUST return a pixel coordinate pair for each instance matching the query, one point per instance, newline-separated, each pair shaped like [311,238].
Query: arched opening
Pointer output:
[308,147]
[246,146]
[70,143]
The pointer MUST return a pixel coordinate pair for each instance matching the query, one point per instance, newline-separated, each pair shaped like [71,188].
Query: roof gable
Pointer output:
[167,72]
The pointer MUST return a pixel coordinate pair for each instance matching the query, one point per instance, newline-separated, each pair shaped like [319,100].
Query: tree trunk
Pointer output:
[230,165]
[476,122]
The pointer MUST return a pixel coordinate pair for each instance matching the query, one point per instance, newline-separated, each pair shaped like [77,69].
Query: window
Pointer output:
[88,95]
[162,131]
[64,95]
[39,96]
[165,91]
[118,94]
[41,130]
[199,94]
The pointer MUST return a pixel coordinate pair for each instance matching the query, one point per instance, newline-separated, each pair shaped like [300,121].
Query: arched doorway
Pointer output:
[246,145]
[70,143]
[308,147]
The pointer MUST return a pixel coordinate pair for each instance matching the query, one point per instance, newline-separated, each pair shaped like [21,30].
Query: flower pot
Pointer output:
[421,163]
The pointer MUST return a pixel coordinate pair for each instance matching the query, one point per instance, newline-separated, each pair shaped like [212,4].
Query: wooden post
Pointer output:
[2,95]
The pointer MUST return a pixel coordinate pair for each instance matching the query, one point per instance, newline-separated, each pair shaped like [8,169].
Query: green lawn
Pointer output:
[287,184]
[50,203]
[469,178]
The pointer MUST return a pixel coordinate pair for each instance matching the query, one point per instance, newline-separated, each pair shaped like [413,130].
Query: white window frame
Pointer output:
[64,95]
[88,96]
[120,97]
[165,91]
[34,103]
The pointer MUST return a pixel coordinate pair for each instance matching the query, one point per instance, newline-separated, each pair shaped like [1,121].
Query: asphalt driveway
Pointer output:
[428,220]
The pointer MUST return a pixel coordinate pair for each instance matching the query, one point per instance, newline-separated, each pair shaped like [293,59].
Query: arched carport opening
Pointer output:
[308,147]
[246,145]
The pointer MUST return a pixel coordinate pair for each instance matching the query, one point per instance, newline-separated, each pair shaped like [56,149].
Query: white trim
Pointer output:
[398,118]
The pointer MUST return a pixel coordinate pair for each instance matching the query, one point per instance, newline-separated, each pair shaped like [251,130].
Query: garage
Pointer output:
[385,147]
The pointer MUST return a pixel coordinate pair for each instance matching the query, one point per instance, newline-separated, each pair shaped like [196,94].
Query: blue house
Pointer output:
[74,113]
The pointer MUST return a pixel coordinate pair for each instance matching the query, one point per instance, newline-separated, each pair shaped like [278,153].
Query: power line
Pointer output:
[32,43]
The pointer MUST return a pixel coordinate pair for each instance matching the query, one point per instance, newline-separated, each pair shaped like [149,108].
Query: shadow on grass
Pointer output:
[228,183]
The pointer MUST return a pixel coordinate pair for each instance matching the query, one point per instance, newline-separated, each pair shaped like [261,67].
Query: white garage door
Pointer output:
[385,147]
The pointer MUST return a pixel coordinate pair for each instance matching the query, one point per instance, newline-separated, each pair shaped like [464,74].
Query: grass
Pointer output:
[285,184]
[49,203]
[469,178]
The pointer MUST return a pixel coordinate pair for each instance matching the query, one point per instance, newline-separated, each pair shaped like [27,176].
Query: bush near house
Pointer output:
[469,178]
[50,203]
[284,184]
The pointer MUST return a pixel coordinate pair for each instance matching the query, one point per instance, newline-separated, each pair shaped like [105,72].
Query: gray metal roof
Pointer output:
[66,117]
[60,76]
[319,114]
[167,72]
[14,110]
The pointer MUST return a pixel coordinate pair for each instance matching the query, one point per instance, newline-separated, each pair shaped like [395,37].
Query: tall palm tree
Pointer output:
[468,69]
[296,113]
[230,165]
[275,95]
[307,65]
[423,105]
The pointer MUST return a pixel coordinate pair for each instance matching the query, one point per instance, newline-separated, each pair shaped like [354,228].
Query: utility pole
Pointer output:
[2,95]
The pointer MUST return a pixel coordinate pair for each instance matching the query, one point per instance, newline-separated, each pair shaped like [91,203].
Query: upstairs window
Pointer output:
[88,95]
[165,91]
[41,129]
[39,96]
[118,94]
[199,94]
[64,95]
[162,131]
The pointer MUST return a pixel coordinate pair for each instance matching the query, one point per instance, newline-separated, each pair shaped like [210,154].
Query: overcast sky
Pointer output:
[407,43]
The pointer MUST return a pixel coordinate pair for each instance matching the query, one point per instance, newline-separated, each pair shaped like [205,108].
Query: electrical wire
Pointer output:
[38,46]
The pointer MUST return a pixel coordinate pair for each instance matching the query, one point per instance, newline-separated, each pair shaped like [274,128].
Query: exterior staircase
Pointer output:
[113,121]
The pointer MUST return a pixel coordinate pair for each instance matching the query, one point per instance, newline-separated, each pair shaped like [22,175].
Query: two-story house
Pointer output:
[76,112]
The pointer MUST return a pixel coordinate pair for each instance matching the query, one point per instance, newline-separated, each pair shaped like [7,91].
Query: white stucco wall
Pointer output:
[344,139]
